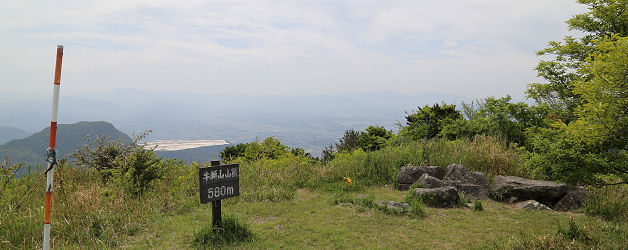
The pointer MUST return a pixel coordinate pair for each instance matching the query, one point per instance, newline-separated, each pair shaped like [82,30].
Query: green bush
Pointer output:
[230,230]
[477,206]
[136,171]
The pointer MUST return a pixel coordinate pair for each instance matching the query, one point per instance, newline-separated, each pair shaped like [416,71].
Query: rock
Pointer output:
[533,205]
[429,181]
[457,172]
[409,174]
[395,206]
[438,197]
[545,192]
[472,184]
[470,205]
[345,204]
[476,192]
[574,199]
[404,187]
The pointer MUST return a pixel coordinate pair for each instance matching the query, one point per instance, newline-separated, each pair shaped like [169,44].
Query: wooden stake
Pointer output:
[216,205]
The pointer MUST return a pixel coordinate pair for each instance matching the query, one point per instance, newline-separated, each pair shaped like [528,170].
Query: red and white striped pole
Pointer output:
[51,157]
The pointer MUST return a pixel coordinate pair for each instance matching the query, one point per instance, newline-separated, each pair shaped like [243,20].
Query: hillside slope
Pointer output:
[32,149]
[9,133]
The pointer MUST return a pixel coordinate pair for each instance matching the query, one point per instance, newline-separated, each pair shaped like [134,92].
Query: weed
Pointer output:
[463,199]
[574,232]
[477,206]
[416,185]
[229,231]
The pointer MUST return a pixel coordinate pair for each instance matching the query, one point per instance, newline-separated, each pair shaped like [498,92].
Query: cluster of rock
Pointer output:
[439,187]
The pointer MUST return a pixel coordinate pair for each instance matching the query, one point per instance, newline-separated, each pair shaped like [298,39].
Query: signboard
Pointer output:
[219,182]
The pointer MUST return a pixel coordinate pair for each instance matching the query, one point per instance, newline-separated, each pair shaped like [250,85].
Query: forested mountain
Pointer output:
[32,149]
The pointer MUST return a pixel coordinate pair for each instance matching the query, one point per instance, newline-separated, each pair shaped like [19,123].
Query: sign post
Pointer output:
[216,183]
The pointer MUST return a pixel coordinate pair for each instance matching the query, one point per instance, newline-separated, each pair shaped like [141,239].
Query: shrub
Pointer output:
[103,154]
[229,231]
[137,170]
[477,206]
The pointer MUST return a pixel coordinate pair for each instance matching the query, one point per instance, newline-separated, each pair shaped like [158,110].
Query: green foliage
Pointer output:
[586,92]
[348,142]
[477,206]
[428,122]
[605,18]
[231,153]
[497,117]
[596,143]
[136,171]
[610,203]
[574,232]
[231,230]
[374,138]
[269,148]
[463,199]
[104,154]
[101,155]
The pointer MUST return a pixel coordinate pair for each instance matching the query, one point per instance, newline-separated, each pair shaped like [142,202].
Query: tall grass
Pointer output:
[87,212]
[482,153]
[610,203]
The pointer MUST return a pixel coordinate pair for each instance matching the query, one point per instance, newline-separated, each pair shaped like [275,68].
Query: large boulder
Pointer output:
[574,199]
[472,184]
[513,188]
[438,197]
[428,181]
[409,174]
[476,192]
[532,205]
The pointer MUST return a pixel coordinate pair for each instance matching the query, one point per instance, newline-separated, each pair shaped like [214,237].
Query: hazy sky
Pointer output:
[475,48]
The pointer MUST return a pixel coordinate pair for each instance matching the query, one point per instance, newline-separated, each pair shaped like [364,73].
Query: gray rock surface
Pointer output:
[546,192]
[472,184]
[533,205]
[395,206]
[429,181]
[438,197]
[574,199]
[409,174]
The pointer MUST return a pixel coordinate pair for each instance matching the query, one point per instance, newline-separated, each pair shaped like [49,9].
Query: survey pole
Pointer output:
[51,157]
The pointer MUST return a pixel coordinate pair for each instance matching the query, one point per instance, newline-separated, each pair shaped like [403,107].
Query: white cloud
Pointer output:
[477,48]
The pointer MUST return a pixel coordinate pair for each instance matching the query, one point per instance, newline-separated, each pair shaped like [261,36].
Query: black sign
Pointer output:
[219,182]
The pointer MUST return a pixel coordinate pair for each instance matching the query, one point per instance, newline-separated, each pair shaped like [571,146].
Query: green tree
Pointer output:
[605,18]
[497,117]
[349,141]
[428,122]
[374,138]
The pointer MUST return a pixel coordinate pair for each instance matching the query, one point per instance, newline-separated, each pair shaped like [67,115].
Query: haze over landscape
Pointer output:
[238,71]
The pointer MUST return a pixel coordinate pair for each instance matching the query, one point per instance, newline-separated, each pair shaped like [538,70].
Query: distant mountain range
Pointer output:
[307,121]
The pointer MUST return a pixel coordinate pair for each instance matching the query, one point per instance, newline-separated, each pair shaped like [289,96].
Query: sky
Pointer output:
[474,48]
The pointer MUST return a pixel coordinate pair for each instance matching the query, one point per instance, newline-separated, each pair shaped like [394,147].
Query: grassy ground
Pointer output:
[310,220]
[288,202]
